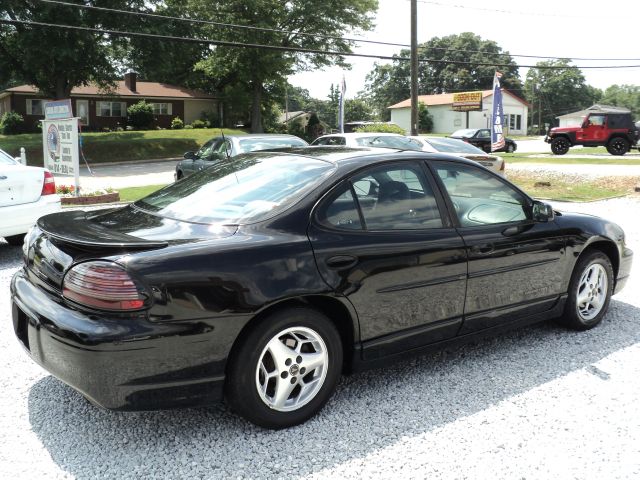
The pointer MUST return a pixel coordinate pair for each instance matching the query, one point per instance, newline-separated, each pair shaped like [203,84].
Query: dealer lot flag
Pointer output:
[497,117]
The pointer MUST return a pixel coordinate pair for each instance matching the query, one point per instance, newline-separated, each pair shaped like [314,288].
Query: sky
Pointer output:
[559,28]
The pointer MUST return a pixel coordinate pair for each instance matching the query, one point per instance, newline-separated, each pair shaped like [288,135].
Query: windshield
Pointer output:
[389,141]
[254,144]
[6,159]
[466,132]
[450,145]
[245,189]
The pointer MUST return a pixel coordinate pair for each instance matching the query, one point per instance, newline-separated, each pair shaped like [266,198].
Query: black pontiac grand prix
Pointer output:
[263,278]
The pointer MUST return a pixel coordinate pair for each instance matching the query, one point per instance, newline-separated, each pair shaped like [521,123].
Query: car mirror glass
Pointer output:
[542,212]
[189,155]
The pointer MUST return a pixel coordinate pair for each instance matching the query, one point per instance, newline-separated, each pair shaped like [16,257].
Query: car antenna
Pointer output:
[226,150]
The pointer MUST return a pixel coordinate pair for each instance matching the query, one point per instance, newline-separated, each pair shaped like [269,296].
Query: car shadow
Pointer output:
[406,399]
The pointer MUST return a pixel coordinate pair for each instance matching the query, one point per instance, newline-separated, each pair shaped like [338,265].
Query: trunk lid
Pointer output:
[20,184]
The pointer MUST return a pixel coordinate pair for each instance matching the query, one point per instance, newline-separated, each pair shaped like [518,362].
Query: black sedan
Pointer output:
[263,278]
[222,147]
[481,138]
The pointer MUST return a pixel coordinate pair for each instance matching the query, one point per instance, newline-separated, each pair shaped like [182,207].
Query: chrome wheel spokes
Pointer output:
[292,369]
[592,291]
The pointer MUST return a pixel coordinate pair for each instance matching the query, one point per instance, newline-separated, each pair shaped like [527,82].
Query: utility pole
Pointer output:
[414,67]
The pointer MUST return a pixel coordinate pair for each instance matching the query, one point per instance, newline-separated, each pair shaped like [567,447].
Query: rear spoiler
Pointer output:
[75,229]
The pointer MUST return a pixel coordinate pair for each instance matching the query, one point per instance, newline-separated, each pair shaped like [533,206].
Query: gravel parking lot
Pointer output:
[537,403]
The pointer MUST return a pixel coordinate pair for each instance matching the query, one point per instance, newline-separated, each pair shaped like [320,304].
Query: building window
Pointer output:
[515,122]
[161,108]
[35,107]
[112,109]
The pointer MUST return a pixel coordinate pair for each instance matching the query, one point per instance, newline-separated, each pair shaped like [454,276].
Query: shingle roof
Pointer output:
[143,89]
[447,99]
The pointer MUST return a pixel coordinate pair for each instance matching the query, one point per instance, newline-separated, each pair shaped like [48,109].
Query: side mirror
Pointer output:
[542,212]
[190,155]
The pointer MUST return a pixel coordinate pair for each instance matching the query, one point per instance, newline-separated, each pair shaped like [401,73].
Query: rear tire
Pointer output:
[560,145]
[15,240]
[590,291]
[618,146]
[285,369]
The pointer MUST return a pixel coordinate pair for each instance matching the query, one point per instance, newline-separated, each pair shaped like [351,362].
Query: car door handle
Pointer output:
[482,249]
[341,261]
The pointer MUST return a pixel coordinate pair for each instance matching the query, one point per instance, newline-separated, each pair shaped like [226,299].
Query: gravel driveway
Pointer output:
[538,403]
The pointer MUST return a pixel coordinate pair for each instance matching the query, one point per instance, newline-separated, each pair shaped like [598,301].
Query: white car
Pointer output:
[461,149]
[26,194]
[367,139]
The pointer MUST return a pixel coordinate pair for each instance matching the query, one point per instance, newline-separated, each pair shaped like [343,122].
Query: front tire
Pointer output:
[285,369]
[618,146]
[511,148]
[560,145]
[590,291]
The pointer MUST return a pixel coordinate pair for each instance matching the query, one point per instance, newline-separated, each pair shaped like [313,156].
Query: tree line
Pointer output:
[253,82]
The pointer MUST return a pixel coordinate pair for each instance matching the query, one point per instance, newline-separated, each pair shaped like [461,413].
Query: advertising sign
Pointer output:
[60,147]
[58,110]
[467,101]
[497,117]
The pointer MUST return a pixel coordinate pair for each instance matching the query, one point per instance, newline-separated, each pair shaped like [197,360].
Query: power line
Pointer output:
[318,35]
[226,43]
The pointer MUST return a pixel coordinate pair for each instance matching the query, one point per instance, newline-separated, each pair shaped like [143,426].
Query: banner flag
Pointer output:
[343,90]
[497,116]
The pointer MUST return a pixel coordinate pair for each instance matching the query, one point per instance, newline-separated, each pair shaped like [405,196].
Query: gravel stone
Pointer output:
[537,403]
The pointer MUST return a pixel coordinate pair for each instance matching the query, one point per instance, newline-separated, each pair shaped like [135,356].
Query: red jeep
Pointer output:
[611,128]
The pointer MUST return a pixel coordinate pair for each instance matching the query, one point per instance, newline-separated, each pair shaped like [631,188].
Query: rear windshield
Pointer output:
[451,145]
[244,189]
[468,132]
[5,159]
[254,144]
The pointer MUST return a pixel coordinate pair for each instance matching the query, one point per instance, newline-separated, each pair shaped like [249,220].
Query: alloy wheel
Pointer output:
[291,369]
[592,291]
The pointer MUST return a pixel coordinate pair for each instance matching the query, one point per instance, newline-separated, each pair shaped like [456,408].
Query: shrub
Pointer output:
[140,115]
[11,123]
[177,124]
[198,124]
[381,128]
[188,127]
[425,120]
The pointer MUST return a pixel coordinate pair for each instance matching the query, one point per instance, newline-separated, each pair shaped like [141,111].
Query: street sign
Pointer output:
[467,101]
[60,147]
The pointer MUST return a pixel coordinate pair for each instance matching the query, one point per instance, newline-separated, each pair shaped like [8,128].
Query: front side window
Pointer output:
[480,198]
[396,197]
[484,133]
[244,189]
[596,120]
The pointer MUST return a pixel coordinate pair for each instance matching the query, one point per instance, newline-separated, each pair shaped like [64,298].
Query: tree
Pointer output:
[57,60]
[258,70]
[554,92]
[425,120]
[356,109]
[627,96]
[455,63]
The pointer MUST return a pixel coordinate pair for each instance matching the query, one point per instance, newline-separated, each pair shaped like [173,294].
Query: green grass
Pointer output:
[564,159]
[131,194]
[570,191]
[120,146]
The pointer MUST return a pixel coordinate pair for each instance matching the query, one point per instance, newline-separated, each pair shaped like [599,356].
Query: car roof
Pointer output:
[356,156]
[362,134]
[257,136]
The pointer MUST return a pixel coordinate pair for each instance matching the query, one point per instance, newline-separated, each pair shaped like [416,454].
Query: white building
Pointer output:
[445,120]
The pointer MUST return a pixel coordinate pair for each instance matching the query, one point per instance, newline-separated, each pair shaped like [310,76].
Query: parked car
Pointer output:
[220,147]
[608,127]
[309,263]
[26,193]
[481,138]
[366,139]
[461,149]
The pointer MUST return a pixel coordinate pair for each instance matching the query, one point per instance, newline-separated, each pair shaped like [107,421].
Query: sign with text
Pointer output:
[60,147]
[467,101]
[58,110]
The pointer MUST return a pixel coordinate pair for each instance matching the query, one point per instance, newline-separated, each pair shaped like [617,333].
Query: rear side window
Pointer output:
[341,210]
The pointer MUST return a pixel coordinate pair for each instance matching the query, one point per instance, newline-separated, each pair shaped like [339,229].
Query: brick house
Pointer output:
[99,109]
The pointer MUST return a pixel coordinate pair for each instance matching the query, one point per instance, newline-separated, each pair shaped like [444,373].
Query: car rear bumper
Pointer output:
[118,363]
[17,219]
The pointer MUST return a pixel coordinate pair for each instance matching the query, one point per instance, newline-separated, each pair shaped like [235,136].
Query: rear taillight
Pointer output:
[49,185]
[102,285]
